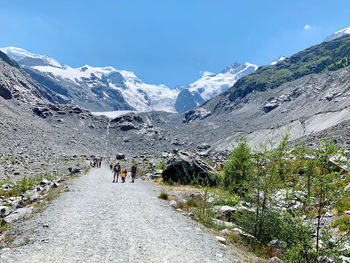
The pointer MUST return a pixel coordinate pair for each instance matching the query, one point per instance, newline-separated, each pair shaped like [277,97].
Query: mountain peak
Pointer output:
[280,58]
[30,59]
[339,33]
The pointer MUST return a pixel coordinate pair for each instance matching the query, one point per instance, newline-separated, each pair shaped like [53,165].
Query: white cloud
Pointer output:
[307,27]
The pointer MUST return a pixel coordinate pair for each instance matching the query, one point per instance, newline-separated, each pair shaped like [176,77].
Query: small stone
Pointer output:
[222,240]
[44,182]
[173,203]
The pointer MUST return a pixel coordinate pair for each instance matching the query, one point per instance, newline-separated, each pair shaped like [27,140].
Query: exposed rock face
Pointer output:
[196,114]
[185,168]
[5,93]
[127,122]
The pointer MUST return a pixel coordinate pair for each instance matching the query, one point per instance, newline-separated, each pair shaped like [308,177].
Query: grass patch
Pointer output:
[343,205]
[4,227]
[163,195]
[342,223]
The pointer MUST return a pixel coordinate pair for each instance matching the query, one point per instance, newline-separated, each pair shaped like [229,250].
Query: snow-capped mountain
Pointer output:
[210,85]
[340,33]
[24,57]
[95,88]
[108,89]
[280,58]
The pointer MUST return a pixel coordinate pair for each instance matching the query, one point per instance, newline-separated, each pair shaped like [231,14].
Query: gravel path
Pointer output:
[98,221]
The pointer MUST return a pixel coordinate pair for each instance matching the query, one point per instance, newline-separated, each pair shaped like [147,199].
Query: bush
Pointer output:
[161,165]
[163,195]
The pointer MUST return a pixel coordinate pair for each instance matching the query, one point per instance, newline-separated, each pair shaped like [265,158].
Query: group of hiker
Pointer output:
[117,171]
[123,174]
[96,162]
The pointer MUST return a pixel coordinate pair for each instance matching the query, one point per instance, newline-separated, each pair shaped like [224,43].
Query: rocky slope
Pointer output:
[307,92]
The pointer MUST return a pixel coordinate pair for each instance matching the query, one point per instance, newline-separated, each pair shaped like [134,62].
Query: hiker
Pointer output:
[133,172]
[111,167]
[124,174]
[116,172]
[99,163]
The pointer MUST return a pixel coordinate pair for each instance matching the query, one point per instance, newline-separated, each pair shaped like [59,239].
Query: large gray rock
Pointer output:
[186,167]
[18,215]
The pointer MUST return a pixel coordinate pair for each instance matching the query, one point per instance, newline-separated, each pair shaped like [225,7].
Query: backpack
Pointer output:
[133,169]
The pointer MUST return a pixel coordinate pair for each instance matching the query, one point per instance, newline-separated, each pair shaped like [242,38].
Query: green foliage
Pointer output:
[343,223]
[209,179]
[161,165]
[21,186]
[238,168]
[343,204]
[225,198]
[204,210]
[327,56]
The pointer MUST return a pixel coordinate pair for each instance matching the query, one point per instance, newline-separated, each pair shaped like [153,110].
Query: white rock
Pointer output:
[173,203]
[347,212]
[221,239]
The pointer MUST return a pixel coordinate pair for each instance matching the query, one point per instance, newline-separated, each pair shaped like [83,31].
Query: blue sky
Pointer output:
[169,41]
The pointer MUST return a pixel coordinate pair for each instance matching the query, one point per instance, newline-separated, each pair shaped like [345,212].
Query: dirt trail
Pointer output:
[98,221]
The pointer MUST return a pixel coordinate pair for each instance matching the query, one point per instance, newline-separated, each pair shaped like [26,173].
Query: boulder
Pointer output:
[5,92]
[74,170]
[17,215]
[5,211]
[186,167]
[120,156]
[227,213]
[271,106]
[195,114]
[42,112]
[173,203]
[34,197]
[128,122]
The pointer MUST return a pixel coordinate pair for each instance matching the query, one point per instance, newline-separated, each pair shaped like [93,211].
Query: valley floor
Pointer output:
[98,221]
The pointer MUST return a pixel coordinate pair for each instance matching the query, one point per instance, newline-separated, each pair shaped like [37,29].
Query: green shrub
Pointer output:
[238,168]
[343,223]
[161,165]
[163,195]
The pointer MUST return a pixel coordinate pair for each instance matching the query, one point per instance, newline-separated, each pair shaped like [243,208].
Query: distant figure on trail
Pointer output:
[124,174]
[116,172]
[133,172]
[99,163]
[111,167]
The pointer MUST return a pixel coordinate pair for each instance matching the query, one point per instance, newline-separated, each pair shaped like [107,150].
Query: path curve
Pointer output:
[98,221]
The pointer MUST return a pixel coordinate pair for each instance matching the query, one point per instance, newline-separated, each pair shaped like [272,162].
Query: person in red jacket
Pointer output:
[124,174]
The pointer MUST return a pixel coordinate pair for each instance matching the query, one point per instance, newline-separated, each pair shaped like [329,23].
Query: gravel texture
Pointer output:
[101,221]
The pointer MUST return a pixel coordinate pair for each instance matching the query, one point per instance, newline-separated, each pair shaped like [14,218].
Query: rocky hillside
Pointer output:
[327,56]
[307,93]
